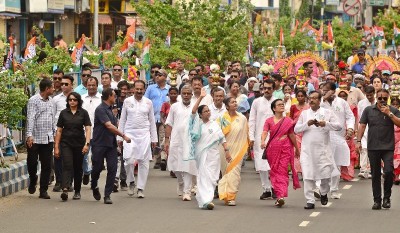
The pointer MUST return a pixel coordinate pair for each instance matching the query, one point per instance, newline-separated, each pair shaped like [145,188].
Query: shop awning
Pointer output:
[105,19]
[6,15]
[130,19]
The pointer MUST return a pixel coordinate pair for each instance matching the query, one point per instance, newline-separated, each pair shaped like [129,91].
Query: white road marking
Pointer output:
[347,186]
[314,214]
[327,205]
[304,223]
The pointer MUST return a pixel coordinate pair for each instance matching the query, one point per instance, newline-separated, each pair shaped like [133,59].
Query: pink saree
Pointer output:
[280,153]
[295,114]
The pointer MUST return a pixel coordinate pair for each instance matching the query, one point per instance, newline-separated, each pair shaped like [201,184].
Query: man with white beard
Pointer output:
[177,143]
[138,122]
[261,111]
[340,149]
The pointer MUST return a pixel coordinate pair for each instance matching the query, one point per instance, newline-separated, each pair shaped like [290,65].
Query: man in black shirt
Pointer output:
[104,144]
[380,119]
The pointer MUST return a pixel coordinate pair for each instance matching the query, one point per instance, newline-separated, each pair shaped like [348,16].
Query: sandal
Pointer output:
[280,202]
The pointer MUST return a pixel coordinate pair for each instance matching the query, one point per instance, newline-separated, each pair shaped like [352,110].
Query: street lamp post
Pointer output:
[96,23]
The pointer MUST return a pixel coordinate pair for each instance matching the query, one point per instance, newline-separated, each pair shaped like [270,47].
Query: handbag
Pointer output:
[264,156]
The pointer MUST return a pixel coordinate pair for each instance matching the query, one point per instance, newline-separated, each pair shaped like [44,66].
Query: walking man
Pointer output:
[104,144]
[138,122]
[40,137]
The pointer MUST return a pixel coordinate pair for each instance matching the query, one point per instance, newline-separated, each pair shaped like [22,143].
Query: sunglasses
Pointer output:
[192,74]
[154,71]
[117,70]
[86,75]
[234,76]
[57,78]
[159,74]
[65,84]
[383,98]
[74,100]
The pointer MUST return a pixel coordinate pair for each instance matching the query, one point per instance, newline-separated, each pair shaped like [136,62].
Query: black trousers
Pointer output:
[43,153]
[72,159]
[375,159]
[99,154]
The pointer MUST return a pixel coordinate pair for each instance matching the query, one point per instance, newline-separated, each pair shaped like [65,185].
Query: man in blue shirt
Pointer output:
[157,93]
[359,66]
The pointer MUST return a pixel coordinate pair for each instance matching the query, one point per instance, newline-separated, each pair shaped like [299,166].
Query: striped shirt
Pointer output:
[40,117]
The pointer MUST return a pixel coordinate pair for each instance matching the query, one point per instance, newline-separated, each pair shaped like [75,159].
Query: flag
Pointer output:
[30,50]
[168,40]
[77,54]
[249,51]
[10,55]
[129,39]
[379,33]
[281,37]
[295,28]
[320,35]
[330,32]
[367,30]
[396,31]
[145,57]
[306,25]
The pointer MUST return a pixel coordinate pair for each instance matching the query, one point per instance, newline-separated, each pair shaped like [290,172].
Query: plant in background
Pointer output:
[346,37]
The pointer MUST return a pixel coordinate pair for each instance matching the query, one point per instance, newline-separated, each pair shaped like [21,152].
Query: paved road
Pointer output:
[162,211]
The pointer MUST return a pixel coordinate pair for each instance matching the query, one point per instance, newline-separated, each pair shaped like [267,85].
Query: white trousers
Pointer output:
[265,182]
[185,179]
[309,186]
[335,182]
[143,172]
[364,161]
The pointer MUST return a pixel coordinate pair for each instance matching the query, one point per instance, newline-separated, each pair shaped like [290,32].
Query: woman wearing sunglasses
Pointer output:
[72,142]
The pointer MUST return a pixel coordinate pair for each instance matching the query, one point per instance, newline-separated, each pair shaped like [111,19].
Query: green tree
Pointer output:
[386,20]
[205,30]
[304,10]
[346,37]
[284,9]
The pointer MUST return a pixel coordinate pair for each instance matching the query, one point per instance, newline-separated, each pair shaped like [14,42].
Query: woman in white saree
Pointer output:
[206,136]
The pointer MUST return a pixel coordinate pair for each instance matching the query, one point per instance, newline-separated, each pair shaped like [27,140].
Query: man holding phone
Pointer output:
[380,119]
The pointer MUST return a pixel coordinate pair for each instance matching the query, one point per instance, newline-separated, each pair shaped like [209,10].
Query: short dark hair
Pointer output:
[226,100]
[375,77]
[331,86]
[139,81]
[305,64]
[155,66]
[117,65]
[68,77]
[173,89]
[202,67]
[382,90]
[273,105]
[278,77]
[87,68]
[77,96]
[44,84]
[107,93]
[301,91]
[369,90]
[234,62]
[95,79]
[106,73]
[123,83]
[319,94]
[269,81]
[200,109]
[198,78]
[216,89]
[58,71]
[233,82]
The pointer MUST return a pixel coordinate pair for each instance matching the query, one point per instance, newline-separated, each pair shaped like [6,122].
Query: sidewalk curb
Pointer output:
[13,179]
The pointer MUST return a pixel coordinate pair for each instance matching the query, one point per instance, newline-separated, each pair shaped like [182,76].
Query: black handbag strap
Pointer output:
[270,139]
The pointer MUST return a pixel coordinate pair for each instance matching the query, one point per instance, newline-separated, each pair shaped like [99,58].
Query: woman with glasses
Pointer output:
[72,142]
[279,150]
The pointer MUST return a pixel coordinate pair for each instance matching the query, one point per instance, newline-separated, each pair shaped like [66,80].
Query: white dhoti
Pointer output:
[137,152]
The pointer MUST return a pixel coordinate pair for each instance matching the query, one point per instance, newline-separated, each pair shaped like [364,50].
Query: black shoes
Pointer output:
[77,196]
[85,179]
[115,188]
[157,166]
[107,200]
[324,199]
[309,206]
[44,195]
[386,203]
[163,165]
[57,187]
[266,195]
[377,206]
[96,194]
[32,185]
[64,195]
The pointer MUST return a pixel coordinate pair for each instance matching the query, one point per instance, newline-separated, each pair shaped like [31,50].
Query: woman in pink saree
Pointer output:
[279,151]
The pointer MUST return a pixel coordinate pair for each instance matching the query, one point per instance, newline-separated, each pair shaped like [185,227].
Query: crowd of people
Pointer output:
[203,129]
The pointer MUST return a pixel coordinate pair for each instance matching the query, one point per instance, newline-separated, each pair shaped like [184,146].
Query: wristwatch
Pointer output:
[88,144]
[391,115]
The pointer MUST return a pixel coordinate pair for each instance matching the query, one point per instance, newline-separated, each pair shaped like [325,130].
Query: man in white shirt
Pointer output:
[60,103]
[91,101]
[364,161]
[217,108]
[138,122]
[197,85]
[117,73]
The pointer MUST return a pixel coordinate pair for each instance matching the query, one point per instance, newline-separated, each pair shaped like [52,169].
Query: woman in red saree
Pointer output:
[280,151]
[295,111]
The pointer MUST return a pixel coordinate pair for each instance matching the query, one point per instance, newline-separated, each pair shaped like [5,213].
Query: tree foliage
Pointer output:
[205,30]
[346,37]
[386,19]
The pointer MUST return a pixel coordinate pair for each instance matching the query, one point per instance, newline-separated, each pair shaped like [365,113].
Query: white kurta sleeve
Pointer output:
[252,122]
[359,110]
[333,123]
[301,124]
[350,119]
[171,116]
[122,120]
[153,127]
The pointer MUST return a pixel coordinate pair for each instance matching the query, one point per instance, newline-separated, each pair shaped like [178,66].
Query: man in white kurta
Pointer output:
[316,158]
[177,143]
[340,149]
[138,123]
[365,168]
[217,108]
[261,111]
